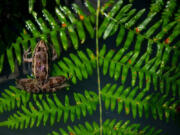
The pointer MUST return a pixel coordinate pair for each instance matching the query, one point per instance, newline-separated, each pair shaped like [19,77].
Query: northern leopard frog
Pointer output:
[40,68]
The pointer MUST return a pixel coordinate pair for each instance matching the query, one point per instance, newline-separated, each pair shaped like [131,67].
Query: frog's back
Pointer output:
[40,61]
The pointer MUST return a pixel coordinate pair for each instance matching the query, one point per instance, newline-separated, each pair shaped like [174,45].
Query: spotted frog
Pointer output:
[40,68]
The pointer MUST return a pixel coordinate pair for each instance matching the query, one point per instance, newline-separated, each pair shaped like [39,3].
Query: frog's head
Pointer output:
[41,46]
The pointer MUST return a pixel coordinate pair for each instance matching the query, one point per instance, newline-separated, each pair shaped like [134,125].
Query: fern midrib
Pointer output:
[98,70]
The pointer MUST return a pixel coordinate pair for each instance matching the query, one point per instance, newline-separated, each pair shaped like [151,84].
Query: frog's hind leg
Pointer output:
[28,85]
[53,89]
[55,83]
[59,87]
[25,56]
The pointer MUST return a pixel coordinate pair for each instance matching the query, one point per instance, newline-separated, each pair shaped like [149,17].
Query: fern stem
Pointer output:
[98,72]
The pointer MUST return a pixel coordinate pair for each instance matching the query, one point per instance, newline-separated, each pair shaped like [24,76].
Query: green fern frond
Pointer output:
[45,109]
[109,127]
[141,32]
[1,62]
[86,19]
[168,11]
[122,16]
[144,61]
[72,25]
[12,98]
[156,6]
[31,4]
[77,66]
[177,16]
[111,14]
[120,64]
[138,101]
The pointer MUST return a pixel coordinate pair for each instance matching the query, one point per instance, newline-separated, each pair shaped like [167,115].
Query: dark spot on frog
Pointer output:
[31,86]
[28,80]
[42,78]
[51,83]
[38,63]
[58,80]
[40,49]
[44,61]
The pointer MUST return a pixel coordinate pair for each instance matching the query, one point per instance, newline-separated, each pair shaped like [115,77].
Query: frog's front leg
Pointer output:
[54,54]
[25,56]
[54,83]
[30,85]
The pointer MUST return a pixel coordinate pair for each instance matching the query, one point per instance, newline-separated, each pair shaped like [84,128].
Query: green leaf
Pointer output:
[17,52]
[73,36]
[30,26]
[128,42]
[64,39]
[81,32]
[111,14]
[66,112]
[106,61]
[50,19]
[133,20]
[41,23]
[145,22]
[31,5]
[1,61]
[10,59]
[55,42]
[120,36]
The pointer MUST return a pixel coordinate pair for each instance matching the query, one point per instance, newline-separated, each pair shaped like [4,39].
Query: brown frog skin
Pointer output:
[40,69]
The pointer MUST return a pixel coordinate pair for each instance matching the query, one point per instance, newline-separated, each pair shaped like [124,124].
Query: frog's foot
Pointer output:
[59,87]
[54,54]
[25,56]
[28,85]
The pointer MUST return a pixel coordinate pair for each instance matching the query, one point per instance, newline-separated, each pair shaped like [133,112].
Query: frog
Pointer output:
[41,58]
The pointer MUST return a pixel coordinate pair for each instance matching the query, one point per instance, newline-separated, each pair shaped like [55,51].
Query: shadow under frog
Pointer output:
[40,69]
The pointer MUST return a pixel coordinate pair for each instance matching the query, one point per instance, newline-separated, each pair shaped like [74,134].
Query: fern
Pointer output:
[1,62]
[43,2]
[126,22]
[158,104]
[11,98]
[49,108]
[168,11]
[141,61]
[78,66]
[129,63]
[55,31]
[110,127]
[156,5]
[80,70]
